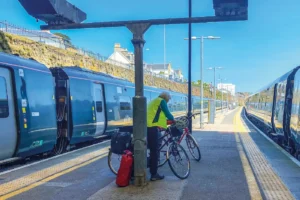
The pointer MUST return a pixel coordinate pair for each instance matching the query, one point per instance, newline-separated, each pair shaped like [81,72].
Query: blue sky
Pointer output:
[253,53]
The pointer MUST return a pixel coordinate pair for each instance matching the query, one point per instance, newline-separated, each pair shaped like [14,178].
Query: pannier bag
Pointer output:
[120,141]
[175,132]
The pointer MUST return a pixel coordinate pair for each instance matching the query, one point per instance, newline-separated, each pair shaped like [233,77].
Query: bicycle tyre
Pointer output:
[190,139]
[109,160]
[170,152]
[163,154]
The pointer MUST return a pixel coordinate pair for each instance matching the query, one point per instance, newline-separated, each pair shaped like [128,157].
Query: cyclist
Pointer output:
[157,115]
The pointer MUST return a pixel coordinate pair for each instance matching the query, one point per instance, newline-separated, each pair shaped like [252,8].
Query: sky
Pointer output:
[252,53]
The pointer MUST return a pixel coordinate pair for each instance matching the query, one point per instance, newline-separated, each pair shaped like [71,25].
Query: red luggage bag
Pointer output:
[124,173]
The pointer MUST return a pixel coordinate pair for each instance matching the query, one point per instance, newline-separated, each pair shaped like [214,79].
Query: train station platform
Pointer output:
[238,162]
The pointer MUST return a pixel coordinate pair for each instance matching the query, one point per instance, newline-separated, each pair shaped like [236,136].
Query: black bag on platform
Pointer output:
[120,141]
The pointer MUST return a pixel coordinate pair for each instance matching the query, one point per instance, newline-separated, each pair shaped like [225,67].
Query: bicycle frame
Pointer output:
[162,137]
[185,132]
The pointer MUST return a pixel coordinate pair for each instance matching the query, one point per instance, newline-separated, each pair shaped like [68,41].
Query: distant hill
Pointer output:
[52,56]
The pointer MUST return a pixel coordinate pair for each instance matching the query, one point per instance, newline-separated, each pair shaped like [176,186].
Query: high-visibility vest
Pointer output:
[155,115]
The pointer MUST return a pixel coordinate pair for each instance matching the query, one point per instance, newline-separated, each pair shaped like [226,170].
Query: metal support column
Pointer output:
[139,106]
[215,91]
[222,97]
[190,68]
[227,98]
[201,107]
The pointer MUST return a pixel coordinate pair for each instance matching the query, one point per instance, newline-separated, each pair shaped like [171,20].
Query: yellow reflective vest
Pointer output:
[155,115]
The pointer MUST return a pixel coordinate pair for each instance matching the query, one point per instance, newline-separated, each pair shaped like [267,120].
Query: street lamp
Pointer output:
[201,69]
[221,82]
[215,87]
[227,97]
[227,91]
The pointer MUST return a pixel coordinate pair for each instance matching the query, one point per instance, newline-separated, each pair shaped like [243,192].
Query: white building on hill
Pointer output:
[227,87]
[121,57]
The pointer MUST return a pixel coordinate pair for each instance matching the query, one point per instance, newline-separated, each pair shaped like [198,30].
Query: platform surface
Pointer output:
[238,162]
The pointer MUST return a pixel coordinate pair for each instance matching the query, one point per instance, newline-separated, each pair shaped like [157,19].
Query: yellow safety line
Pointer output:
[38,183]
[270,183]
[251,181]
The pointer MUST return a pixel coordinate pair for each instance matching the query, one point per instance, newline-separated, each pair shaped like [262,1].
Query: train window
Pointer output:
[3,99]
[124,106]
[125,103]
[99,106]
[98,99]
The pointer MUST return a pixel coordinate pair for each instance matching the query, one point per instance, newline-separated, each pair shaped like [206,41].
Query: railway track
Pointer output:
[10,165]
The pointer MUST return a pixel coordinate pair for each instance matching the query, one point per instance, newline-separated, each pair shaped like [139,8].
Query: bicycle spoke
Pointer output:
[163,154]
[178,161]
[193,147]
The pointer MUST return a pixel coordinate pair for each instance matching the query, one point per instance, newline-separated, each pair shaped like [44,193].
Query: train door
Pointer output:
[8,135]
[99,109]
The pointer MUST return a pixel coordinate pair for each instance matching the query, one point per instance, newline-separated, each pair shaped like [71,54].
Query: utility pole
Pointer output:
[201,69]
[227,98]
[190,68]
[165,51]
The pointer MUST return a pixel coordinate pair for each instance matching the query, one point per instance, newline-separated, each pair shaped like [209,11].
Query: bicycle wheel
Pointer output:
[114,161]
[193,147]
[178,160]
[163,153]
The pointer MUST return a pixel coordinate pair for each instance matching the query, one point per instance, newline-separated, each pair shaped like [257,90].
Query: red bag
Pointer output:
[124,173]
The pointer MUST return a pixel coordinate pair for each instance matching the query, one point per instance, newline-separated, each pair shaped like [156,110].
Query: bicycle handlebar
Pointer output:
[170,122]
[193,115]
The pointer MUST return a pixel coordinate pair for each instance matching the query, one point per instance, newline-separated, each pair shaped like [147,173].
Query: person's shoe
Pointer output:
[157,177]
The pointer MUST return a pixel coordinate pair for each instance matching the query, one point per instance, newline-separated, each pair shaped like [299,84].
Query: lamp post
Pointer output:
[201,70]
[227,97]
[215,87]
[221,87]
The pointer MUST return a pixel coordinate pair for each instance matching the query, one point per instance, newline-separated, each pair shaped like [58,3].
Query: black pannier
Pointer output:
[120,141]
[175,132]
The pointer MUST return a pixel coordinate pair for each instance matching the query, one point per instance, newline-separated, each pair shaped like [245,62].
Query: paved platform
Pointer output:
[238,162]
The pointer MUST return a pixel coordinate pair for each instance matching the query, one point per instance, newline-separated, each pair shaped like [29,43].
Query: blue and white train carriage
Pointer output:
[44,110]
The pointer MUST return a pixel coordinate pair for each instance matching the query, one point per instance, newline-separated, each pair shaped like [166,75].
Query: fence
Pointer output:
[48,38]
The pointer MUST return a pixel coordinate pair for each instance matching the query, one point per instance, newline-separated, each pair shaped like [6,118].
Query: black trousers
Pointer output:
[153,144]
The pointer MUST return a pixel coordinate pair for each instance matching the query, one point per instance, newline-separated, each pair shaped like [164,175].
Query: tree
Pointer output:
[66,39]
[63,36]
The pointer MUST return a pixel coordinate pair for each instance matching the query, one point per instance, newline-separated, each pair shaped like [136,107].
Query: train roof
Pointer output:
[78,72]
[82,73]
[278,80]
[16,61]
[72,71]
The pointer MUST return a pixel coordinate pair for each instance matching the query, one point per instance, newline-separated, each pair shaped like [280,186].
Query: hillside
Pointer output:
[52,56]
